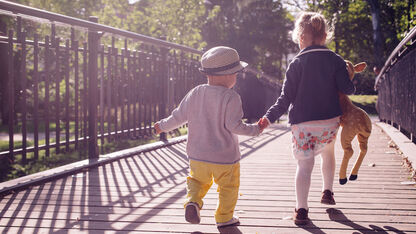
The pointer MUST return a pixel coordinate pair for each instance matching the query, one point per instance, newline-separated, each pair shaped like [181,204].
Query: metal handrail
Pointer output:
[396,52]
[26,10]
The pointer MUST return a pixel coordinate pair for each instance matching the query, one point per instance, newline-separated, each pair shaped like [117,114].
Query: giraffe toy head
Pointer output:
[357,68]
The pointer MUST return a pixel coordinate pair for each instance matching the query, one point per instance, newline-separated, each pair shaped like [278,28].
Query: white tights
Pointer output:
[304,172]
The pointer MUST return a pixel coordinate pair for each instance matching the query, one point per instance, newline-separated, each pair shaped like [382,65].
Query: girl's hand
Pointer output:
[263,123]
[157,128]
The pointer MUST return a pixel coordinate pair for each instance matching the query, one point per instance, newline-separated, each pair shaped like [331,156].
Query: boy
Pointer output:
[213,112]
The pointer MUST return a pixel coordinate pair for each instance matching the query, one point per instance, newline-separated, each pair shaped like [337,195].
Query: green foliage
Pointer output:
[176,20]
[353,31]
[258,29]
[79,9]
[364,99]
[4,145]
[365,102]
[14,169]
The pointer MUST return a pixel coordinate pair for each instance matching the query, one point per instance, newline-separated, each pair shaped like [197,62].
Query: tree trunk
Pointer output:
[410,5]
[377,35]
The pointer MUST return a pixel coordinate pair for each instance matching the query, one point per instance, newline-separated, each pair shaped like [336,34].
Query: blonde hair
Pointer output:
[313,26]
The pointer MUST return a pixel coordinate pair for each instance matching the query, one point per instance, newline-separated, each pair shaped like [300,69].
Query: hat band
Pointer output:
[220,69]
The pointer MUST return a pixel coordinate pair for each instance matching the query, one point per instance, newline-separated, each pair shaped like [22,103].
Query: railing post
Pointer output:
[164,77]
[11,94]
[93,43]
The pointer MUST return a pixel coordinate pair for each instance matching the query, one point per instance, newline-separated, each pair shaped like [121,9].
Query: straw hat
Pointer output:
[221,60]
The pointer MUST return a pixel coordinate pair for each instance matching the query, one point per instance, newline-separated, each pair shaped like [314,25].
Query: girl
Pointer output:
[310,92]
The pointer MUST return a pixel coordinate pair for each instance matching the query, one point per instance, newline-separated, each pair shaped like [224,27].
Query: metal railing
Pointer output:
[86,91]
[396,86]
[83,83]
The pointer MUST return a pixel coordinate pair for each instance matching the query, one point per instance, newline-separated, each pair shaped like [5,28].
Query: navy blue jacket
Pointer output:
[311,86]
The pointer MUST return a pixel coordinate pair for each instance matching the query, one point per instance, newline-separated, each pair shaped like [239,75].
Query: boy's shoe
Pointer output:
[300,217]
[192,213]
[328,197]
[233,221]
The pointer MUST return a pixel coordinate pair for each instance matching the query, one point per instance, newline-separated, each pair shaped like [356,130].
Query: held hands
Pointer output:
[157,128]
[263,123]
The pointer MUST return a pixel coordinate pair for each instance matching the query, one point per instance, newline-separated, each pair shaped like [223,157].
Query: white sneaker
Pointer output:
[233,221]
[192,213]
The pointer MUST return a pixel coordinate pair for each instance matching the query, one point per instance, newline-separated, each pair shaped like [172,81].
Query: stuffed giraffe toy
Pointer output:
[354,122]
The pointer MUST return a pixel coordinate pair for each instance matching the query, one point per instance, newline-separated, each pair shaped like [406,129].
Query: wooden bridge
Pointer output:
[143,193]
[94,85]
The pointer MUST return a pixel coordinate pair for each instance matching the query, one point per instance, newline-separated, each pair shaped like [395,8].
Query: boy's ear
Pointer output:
[359,67]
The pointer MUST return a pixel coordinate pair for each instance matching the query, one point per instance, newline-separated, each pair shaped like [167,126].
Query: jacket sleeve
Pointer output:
[287,95]
[344,84]
[233,118]
[178,117]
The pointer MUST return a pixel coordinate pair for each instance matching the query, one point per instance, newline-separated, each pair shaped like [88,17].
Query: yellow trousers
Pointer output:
[226,176]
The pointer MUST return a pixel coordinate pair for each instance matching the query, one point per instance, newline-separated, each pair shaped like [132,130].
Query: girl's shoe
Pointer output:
[328,197]
[300,217]
[192,213]
[233,221]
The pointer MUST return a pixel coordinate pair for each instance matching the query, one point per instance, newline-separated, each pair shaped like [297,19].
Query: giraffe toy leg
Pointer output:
[363,142]
[346,138]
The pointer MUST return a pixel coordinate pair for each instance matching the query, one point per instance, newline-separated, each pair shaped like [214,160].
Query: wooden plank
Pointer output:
[145,193]
[169,225]
[131,214]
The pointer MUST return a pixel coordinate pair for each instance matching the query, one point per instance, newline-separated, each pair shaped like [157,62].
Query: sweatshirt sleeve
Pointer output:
[178,116]
[233,118]
[287,96]
[344,84]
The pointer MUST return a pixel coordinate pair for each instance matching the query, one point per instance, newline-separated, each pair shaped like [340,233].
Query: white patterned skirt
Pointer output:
[310,138]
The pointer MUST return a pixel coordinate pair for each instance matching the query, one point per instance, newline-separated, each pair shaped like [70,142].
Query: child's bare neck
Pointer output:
[218,81]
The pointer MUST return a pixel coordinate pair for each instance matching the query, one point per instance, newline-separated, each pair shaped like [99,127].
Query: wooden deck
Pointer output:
[144,194]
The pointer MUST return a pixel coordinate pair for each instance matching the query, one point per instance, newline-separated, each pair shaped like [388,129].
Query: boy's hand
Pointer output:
[263,123]
[157,128]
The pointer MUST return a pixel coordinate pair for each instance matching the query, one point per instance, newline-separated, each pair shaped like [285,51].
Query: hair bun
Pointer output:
[317,23]
[313,26]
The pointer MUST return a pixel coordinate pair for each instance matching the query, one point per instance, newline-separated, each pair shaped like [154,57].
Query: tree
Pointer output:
[258,29]
[366,31]
[78,9]
[177,20]
[377,36]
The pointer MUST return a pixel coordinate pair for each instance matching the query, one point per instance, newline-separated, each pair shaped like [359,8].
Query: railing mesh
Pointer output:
[396,87]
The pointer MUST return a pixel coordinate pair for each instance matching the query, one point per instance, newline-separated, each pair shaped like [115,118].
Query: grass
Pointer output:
[365,102]
[30,128]
[14,169]
[4,145]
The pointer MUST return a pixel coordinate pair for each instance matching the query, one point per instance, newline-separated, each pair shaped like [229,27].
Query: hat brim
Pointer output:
[230,71]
